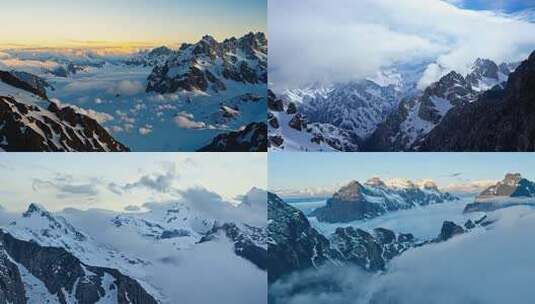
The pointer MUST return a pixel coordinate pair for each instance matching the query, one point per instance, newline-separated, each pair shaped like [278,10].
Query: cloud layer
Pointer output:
[316,41]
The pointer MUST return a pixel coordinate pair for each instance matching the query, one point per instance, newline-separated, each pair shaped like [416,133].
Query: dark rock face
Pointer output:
[294,245]
[452,88]
[274,104]
[251,139]
[207,64]
[399,131]
[370,251]
[64,274]
[298,122]
[348,204]
[30,128]
[449,229]
[513,190]
[25,81]
[247,242]
[500,120]
[11,286]
[357,202]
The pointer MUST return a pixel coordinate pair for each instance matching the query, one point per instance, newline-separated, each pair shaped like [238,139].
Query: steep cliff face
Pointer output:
[25,127]
[500,120]
[66,278]
[294,245]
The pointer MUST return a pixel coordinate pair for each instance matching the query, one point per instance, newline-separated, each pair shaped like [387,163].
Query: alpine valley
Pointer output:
[487,108]
[367,239]
[209,95]
[162,253]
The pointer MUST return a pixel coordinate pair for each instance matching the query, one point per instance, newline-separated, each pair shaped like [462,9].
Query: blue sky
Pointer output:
[62,22]
[506,6]
[311,170]
[113,181]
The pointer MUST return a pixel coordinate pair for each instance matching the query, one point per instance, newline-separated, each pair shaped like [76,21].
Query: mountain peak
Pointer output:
[429,185]
[375,182]
[349,192]
[255,197]
[209,39]
[34,208]
[512,179]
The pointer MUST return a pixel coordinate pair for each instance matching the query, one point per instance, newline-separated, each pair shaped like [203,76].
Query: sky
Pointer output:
[506,6]
[453,171]
[114,181]
[315,41]
[80,23]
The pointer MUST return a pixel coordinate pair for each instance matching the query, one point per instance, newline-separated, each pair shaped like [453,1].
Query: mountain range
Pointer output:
[50,257]
[513,190]
[392,115]
[356,201]
[31,122]
[295,245]
[207,95]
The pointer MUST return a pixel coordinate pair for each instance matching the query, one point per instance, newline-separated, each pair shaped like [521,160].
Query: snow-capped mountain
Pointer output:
[388,112]
[148,110]
[418,116]
[152,58]
[356,201]
[250,138]
[513,190]
[485,74]
[30,122]
[33,273]
[213,66]
[162,236]
[290,130]
[294,245]
[500,120]
[357,107]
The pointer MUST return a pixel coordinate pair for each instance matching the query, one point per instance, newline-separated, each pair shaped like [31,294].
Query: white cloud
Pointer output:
[185,120]
[129,88]
[484,266]
[147,129]
[319,41]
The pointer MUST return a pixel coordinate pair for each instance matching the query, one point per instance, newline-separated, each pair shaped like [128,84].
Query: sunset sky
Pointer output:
[80,23]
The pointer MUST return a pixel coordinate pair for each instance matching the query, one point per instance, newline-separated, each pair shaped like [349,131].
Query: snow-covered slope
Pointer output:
[416,116]
[30,122]
[185,118]
[357,107]
[212,66]
[290,131]
[152,246]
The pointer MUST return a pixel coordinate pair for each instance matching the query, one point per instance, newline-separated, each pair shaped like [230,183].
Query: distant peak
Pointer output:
[350,192]
[429,185]
[400,183]
[512,179]
[376,182]
[34,208]
[209,39]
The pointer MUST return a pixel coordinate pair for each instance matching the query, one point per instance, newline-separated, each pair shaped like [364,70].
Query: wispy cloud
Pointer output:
[317,41]
[159,182]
